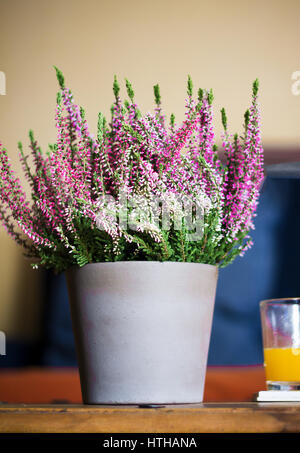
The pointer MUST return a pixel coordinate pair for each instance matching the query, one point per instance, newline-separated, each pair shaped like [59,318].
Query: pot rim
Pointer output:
[143,263]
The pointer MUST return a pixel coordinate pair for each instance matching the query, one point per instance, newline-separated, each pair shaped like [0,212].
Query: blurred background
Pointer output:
[223,46]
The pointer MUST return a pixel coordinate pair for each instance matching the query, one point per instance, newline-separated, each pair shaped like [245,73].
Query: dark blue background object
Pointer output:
[268,270]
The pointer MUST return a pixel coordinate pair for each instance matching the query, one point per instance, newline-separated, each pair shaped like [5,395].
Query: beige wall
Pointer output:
[222,44]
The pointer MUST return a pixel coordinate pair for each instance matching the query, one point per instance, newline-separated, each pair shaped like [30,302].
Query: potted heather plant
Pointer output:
[139,218]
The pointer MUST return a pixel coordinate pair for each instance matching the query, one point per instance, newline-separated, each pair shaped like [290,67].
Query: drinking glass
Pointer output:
[280,319]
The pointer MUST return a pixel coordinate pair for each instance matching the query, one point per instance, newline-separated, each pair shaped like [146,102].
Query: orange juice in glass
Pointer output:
[280,320]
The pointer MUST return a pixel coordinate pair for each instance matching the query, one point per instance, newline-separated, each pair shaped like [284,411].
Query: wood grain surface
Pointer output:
[202,418]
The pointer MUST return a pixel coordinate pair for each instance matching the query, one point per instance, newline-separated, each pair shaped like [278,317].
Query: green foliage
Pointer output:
[190,86]
[130,91]
[247,117]
[116,88]
[200,94]
[82,113]
[224,118]
[157,96]
[210,97]
[172,120]
[90,245]
[255,87]
[100,128]
[60,78]
[58,98]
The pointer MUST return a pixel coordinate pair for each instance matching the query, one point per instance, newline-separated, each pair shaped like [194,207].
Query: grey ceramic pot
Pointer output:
[142,330]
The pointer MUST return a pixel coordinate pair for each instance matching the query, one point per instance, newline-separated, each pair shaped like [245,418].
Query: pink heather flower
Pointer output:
[138,155]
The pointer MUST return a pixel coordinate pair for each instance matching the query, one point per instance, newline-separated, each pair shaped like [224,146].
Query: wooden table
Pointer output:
[201,418]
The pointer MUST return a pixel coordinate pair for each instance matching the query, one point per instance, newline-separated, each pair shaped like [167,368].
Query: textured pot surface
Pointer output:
[142,330]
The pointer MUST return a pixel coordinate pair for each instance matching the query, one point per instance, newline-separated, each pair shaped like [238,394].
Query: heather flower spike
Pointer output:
[60,78]
[116,88]
[255,87]
[224,118]
[157,97]
[247,117]
[190,86]
[172,119]
[76,212]
[130,91]
[200,94]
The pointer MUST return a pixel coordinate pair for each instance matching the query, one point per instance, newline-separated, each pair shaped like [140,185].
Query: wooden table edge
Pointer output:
[201,418]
